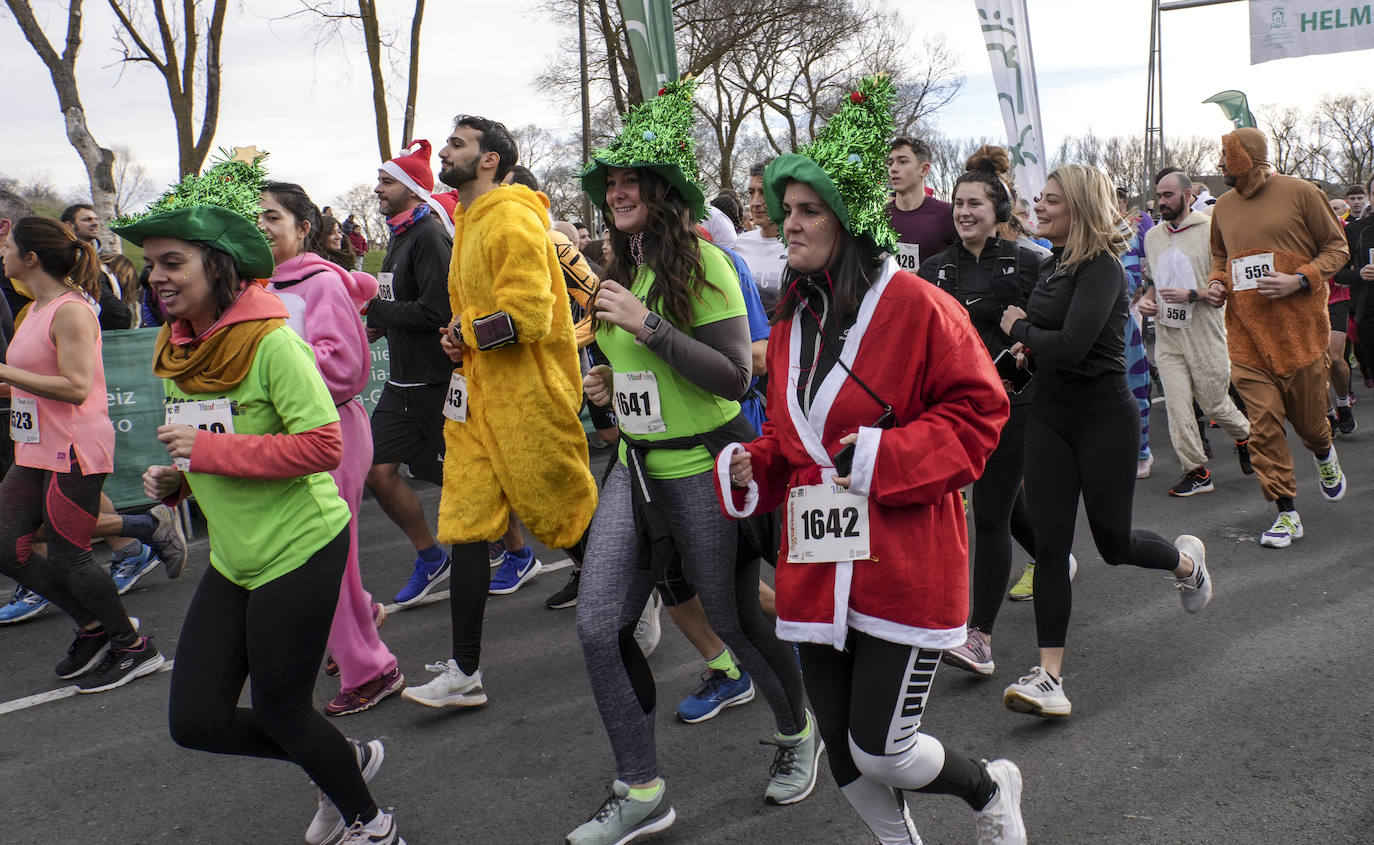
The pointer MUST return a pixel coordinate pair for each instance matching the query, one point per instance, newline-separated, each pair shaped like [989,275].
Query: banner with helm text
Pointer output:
[1283,29]
[1006,29]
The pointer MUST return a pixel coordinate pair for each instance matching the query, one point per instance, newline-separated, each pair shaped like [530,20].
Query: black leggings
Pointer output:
[65,505]
[868,701]
[469,581]
[274,635]
[995,497]
[1089,452]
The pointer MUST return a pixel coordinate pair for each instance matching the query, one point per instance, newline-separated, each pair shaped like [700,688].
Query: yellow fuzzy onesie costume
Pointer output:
[522,447]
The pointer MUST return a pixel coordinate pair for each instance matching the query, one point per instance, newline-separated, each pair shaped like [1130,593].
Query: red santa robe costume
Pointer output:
[913,345]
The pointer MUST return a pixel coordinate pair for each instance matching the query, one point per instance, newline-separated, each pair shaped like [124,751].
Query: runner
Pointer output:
[676,335]
[323,300]
[987,273]
[253,432]
[878,360]
[1084,427]
[63,449]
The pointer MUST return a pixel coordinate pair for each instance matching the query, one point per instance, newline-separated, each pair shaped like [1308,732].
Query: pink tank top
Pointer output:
[48,433]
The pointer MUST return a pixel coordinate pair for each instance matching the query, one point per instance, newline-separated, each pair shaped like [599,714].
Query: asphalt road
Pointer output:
[1248,723]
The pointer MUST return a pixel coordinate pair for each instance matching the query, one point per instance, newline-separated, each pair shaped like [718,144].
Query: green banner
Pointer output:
[1235,106]
[652,43]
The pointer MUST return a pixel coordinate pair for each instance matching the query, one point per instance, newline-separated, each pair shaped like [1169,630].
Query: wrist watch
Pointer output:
[651,323]
[1303,283]
[1192,296]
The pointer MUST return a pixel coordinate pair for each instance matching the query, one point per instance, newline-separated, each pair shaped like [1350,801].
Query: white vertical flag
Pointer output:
[1007,33]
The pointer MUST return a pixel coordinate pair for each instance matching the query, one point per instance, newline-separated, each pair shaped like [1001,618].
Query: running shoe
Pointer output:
[1192,483]
[1195,590]
[126,571]
[1024,589]
[717,692]
[1345,419]
[622,819]
[1000,822]
[380,831]
[86,651]
[496,552]
[515,570]
[1142,466]
[1243,455]
[649,628]
[1037,693]
[792,775]
[378,614]
[426,577]
[452,688]
[567,596]
[975,655]
[1330,475]
[328,825]
[119,666]
[331,666]
[368,695]
[168,540]
[25,604]
[1334,423]
[1286,529]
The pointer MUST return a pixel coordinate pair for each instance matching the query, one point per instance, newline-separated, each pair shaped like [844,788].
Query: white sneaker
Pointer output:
[1286,528]
[328,825]
[1037,693]
[1195,590]
[452,688]
[649,628]
[1143,466]
[1000,823]
[380,831]
[1330,475]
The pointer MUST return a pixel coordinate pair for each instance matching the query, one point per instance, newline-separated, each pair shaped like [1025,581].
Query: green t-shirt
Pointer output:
[263,528]
[685,409]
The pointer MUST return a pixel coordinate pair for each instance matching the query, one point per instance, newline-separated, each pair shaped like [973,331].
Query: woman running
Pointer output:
[63,449]
[1084,429]
[891,405]
[985,274]
[676,335]
[253,432]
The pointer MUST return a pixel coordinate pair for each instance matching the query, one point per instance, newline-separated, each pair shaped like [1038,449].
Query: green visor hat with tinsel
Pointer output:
[219,207]
[846,165]
[658,137]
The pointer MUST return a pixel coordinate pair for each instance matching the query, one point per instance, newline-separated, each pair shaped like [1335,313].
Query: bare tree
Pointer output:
[1123,160]
[338,16]
[98,160]
[1294,148]
[176,54]
[1346,123]
[362,204]
[132,185]
[1194,156]
[947,159]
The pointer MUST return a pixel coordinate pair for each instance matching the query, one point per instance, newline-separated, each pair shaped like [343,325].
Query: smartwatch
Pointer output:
[1303,283]
[1192,296]
[651,323]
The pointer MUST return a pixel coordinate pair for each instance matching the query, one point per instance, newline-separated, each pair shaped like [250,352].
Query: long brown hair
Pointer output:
[61,254]
[129,289]
[671,249]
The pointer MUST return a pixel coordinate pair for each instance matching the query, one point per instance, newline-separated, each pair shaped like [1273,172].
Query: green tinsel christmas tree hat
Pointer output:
[658,137]
[846,164]
[219,207]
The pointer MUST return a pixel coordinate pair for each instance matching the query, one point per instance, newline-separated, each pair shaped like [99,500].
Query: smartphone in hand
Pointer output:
[1017,377]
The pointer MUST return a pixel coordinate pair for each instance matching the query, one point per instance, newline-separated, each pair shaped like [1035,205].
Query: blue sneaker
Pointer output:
[127,570]
[25,604]
[496,552]
[716,693]
[515,570]
[426,577]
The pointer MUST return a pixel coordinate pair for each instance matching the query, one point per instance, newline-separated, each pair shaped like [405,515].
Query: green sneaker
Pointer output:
[621,818]
[795,764]
[1024,589]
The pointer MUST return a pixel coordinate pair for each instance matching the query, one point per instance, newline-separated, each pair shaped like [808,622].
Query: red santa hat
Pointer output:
[412,170]
[449,201]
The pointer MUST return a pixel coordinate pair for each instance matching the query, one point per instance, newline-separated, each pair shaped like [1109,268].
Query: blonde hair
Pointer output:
[1095,226]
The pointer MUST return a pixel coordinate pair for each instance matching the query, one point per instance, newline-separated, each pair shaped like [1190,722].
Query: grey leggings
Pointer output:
[613,592]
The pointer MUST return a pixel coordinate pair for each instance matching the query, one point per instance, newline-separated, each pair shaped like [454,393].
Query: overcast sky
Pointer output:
[312,108]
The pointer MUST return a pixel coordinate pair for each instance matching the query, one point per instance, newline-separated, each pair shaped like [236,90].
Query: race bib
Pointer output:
[215,415]
[24,420]
[637,404]
[1246,272]
[1176,315]
[826,523]
[456,400]
[386,291]
[909,257]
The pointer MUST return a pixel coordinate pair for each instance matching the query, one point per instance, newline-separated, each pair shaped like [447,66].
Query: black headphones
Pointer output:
[1002,210]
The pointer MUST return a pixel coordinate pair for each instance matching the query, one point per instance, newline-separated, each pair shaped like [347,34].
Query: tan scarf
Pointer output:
[219,363]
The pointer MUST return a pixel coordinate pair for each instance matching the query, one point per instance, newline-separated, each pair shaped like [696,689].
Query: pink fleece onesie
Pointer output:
[323,300]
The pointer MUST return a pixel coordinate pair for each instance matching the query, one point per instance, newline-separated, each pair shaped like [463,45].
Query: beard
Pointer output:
[1229,180]
[459,174]
[1171,212]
